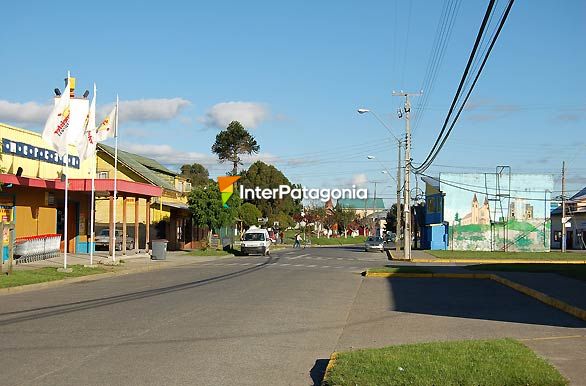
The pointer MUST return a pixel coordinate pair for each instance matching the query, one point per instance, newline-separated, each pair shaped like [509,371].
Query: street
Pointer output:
[249,320]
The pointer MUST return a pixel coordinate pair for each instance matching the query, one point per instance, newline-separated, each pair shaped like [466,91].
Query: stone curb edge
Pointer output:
[329,367]
[495,261]
[550,301]
[88,278]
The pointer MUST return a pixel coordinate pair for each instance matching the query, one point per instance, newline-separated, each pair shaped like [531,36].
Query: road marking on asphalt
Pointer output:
[311,266]
[325,266]
[298,257]
[285,264]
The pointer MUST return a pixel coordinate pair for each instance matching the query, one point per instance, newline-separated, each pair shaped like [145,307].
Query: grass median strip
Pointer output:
[42,275]
[475,362]
[575,271]
[455,255]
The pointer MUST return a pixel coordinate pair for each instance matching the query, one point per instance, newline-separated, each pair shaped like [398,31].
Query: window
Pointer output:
[557,236]
[102,175]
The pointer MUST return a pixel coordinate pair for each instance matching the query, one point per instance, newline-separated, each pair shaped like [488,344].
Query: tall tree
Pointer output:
[233,142]
[196,173]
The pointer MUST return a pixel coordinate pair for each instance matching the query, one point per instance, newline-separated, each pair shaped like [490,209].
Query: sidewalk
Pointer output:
[565,289]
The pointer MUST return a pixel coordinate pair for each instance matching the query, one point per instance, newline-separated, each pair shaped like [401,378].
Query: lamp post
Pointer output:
[397,180]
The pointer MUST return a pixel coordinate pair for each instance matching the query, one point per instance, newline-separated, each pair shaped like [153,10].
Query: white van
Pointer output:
[256,240]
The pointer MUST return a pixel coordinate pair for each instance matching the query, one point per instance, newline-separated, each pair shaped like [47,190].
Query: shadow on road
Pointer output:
[59,309]
[318,371]
[474,299]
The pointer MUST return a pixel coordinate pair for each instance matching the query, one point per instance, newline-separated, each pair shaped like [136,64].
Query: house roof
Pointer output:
[147,168]
[580,195]
[358,203]
[432,181]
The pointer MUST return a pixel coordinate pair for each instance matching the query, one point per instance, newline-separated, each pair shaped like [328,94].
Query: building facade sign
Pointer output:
[25,150]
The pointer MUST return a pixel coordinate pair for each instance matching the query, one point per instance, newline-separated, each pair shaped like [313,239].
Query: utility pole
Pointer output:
[398,232]
[563,206]
[407,110]
[374,209]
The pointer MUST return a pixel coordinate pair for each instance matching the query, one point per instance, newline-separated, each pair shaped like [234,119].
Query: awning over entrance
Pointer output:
[137,189]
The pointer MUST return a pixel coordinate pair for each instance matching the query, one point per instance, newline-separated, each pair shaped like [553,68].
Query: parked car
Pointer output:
[256,240]
[373,243]
[103,240]
[389,242]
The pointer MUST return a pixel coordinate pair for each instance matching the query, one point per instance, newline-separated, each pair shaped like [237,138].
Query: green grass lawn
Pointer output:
[41,275]
[507,255]
[208,252]
[401,269]
[576,271]
[471,363]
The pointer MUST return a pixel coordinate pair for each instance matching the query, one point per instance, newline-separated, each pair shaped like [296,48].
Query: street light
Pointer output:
[398,179]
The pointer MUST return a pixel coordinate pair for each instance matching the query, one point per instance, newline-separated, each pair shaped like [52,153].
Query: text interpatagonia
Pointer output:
[302,193]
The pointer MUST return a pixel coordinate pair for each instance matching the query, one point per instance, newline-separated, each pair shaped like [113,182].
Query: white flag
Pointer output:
[58,122]
[107,128]
[86,146]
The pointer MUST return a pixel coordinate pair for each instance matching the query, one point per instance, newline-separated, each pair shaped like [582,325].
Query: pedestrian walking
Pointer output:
[297,243]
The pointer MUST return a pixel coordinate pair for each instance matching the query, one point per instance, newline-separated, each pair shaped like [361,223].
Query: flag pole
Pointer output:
[115,179]
[66,241]
[94,166]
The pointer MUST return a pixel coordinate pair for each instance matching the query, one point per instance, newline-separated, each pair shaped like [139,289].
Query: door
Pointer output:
[71,226]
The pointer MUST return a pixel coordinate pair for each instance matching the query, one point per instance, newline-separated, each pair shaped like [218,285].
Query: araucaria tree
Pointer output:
[233,142]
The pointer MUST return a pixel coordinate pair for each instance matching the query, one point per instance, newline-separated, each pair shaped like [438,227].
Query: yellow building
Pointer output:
[169,213]
[33,188]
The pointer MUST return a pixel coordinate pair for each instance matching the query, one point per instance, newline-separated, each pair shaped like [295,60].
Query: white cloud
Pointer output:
[142,110]
[250,114]
[167,155]
[359,179]
[24,113]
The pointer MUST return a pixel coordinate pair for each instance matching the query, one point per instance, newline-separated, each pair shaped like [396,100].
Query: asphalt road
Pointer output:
[244,321]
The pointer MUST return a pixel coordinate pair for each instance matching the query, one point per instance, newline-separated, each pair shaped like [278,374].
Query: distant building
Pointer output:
[362,207]
[575,223]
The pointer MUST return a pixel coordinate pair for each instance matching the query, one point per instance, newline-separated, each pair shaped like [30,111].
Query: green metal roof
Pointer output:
[149,169]
[358,203]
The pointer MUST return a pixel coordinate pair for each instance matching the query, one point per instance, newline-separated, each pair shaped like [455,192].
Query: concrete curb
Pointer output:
[329,367]
[429,275]
[546,299]
[496,261]
[153,266]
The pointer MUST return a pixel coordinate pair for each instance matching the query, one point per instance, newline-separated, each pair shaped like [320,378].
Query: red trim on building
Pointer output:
[85,185]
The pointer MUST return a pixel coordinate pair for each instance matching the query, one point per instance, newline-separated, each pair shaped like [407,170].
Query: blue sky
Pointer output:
[296,72]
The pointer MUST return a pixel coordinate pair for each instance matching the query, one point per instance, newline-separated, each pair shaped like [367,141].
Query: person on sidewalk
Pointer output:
[297,243]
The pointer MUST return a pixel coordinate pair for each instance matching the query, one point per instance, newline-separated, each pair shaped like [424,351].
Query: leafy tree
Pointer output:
[344,217]
[233,142]
[267,176]
[249,213]
[285,221]
[196,173]
[205,203]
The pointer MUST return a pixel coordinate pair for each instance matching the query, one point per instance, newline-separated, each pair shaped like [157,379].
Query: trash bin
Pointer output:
[159,249]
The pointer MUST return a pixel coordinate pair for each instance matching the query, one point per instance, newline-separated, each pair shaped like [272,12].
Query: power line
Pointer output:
[435,150]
